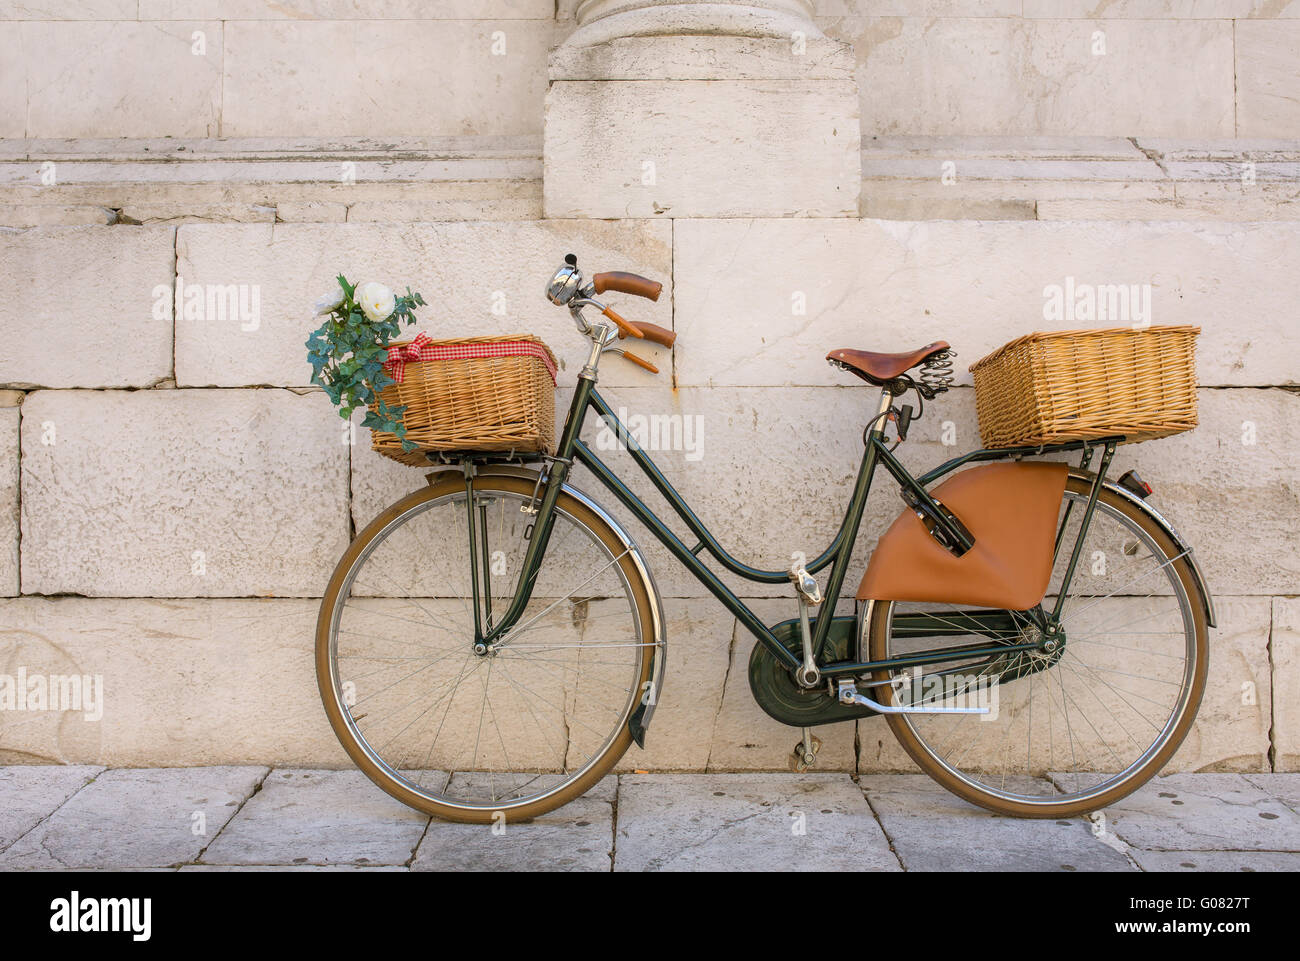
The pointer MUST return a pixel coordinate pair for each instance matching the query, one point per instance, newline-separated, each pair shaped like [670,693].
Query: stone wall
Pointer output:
[173,494]
[254,68]
[183,497]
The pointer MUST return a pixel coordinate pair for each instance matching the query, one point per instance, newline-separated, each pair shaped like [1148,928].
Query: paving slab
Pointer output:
[1284,787]
[289,868]
[320,818]
[747,822]
[932,830]
[1205,812]
[31,793]
[1232,861]
[576,837]
[136,818]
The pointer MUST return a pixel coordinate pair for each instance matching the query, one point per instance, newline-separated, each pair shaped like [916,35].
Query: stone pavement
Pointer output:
[255,818]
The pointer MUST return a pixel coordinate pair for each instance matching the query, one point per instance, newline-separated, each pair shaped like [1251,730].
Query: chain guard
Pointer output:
[780,696]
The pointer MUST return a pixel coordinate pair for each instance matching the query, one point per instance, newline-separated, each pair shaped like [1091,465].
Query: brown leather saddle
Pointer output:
[879,369]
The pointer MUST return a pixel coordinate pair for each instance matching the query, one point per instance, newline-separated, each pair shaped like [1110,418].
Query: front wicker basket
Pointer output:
[494,403]
[1069,385]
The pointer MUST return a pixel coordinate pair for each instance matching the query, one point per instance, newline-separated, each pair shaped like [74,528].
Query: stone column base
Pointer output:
[702,126]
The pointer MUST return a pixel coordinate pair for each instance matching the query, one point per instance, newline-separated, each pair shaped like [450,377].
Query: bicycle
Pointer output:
[1019,678]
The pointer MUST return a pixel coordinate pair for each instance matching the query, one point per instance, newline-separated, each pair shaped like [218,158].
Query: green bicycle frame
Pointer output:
[837,556]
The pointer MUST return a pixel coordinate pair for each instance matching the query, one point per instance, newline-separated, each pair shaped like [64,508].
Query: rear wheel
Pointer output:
[471,734]
[1071,731]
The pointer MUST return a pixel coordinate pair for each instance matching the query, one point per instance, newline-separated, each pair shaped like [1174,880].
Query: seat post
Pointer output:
[886,401]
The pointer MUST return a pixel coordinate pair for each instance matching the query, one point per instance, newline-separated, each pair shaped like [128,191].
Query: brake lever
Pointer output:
[628,328]
[639,361]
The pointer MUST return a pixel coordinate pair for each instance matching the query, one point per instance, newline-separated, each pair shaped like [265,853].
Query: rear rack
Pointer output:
[1000,453]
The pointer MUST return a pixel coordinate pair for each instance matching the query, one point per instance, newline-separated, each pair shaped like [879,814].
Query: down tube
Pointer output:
[583,455]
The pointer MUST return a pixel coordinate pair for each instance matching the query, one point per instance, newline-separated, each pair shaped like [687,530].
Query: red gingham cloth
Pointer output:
[421,348]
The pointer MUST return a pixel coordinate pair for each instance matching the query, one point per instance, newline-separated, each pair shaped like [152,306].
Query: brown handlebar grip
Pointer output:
[641,362]
[626,283]
[628,328]
[656,334]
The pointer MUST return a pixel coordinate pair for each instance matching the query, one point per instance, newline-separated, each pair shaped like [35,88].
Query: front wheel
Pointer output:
[1077,729]
[472,732]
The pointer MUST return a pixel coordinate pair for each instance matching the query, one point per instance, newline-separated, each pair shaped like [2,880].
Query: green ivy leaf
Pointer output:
[347,354]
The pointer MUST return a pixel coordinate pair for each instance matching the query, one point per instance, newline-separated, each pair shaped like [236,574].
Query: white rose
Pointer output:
[328,302]
[376,301]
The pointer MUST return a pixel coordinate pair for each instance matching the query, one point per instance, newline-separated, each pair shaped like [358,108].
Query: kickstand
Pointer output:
[805,751]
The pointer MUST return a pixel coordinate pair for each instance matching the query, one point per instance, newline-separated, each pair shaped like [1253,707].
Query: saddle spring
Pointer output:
[936,374]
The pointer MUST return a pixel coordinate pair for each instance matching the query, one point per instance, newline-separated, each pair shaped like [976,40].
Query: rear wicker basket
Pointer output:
[473,403]
[1081,384]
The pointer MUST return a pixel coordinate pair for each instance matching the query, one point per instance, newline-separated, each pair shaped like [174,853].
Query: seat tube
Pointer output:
[852,521]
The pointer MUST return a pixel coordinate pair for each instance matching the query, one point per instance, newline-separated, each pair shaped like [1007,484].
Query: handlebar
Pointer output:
[641,330]
[626,283]
[656,334]
[566,289]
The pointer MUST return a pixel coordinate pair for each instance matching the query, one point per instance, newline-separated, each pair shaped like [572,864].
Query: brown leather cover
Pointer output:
[627,283]
[640,361]
[878,368]
[1011,509]
[655,334]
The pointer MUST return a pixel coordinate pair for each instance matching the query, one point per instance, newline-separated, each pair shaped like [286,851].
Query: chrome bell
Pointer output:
[565,284]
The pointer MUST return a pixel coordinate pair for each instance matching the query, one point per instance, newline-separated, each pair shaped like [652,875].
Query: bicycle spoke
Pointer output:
[510,723]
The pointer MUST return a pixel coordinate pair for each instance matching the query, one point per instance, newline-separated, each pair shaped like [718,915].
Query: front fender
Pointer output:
[639,722]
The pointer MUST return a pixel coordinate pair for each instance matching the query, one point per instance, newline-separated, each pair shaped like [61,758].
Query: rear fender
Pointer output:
[1180,544]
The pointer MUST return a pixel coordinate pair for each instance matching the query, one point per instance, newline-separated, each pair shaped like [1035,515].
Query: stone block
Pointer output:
[699,148]
[1000,76]
[480,279]
[1204,812]
[1285,653]
[107,298]
[32,793]
[123,78]
[165,674]
[1232,726]
[181,493]
[576,837]
[747,822]
[932,830]
[490,77]
[1267,78]
[806,288]
[8,501]
[348,820]
[136,819]
[345,10]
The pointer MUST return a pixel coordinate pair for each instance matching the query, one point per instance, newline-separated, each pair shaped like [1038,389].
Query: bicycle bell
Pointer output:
[566,282]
